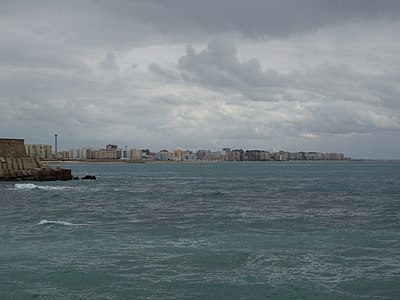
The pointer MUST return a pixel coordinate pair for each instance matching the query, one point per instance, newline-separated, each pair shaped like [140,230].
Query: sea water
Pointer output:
[287,230]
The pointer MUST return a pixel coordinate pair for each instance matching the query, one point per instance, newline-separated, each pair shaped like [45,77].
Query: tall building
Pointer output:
[39,150]
[189,156]
[164,155]
[136,154]
[227,154]
[79,153]
[126,153]
[106,154]
[178,154]
[203,154]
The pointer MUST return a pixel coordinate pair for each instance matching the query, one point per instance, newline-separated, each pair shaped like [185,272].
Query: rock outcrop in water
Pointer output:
[15,165]
[89,177]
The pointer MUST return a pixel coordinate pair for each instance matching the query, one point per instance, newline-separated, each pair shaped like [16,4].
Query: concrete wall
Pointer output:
[12,148]
[22,168]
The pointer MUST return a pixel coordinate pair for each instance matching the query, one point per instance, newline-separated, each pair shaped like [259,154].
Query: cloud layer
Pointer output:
[308,75]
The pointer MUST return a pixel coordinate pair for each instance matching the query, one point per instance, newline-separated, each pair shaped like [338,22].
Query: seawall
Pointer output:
[12,148]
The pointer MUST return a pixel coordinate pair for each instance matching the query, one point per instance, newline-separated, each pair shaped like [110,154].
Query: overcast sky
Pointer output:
[300,75]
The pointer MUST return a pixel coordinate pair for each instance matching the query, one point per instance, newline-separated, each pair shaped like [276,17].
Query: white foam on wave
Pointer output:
[47,222]
[25,186]
[29,186]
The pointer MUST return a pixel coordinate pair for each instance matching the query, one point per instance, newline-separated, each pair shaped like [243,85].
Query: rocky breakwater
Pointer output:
[16,165]
[25,168]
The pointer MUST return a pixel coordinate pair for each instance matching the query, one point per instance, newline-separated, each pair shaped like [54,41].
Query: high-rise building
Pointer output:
[39,150]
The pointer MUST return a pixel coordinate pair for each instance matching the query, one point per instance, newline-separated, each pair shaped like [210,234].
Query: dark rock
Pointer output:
[89,177]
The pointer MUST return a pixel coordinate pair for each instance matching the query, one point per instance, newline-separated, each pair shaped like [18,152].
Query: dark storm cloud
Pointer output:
[272,18]
[252,18]
[128,22]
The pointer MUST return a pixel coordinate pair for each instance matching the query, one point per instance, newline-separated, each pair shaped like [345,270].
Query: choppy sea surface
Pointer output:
[323,230]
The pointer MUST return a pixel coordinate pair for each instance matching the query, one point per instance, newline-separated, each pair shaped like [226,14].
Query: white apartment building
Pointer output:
[39,150]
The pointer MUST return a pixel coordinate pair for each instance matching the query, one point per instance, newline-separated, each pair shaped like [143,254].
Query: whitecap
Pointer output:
[29,186]
[52,188]
[47,222]
[25,186]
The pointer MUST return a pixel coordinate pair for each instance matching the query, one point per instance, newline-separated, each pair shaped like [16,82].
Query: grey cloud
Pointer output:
[176,101]
[167,75]
[126,22]
[342,83]
[109,62]
[253,18]
[218,66]
[168,100]
[338,100]
[385,89]
[23,48]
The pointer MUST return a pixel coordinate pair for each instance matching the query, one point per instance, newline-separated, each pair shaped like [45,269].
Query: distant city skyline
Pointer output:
[311,75]
[115,152]
[51,148]
[172,148]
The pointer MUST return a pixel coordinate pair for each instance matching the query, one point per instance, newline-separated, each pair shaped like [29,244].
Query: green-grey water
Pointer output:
[326,230]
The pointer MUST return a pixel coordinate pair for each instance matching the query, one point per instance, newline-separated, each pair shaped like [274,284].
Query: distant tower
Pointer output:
[55,143]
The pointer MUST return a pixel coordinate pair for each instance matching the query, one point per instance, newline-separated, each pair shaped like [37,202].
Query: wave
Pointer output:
[47,222]
[29,186]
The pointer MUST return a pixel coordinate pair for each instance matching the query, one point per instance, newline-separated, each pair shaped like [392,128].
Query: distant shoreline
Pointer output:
[200,161]
[92,161]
